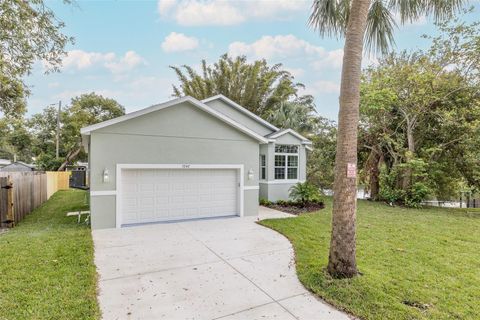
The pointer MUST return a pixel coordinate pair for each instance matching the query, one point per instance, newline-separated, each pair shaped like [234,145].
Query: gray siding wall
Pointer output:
[239,116]
[275,191]
[182,134]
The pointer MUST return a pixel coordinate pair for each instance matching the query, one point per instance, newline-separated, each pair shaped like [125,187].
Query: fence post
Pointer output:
[10,209]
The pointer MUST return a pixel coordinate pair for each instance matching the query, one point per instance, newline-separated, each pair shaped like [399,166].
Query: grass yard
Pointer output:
[416,264]
[46,264]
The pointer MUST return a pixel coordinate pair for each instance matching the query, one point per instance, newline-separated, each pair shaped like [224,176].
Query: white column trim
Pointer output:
[103,193]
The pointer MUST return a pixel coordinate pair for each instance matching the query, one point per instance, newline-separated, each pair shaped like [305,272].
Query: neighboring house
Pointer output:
[186,159]
[18,167]
[4,162]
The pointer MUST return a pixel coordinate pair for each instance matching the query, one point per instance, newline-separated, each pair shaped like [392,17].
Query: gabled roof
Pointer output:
[171,103]
[18,166]
[292,132]
[241,109]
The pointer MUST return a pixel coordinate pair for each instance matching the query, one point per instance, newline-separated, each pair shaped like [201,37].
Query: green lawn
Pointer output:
[46,264]
[416,264]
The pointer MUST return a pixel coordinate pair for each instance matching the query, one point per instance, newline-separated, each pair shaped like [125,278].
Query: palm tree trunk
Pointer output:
[342,259]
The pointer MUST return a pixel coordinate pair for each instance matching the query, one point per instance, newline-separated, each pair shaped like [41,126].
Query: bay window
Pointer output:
[286,162]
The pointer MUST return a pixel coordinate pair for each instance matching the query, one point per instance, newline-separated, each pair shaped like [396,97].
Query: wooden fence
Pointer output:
[22,192]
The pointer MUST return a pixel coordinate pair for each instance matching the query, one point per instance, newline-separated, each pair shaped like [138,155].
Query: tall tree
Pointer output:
[417,117]
[29,32]
[257,86]
[372,22]
[299,115]
[83,110]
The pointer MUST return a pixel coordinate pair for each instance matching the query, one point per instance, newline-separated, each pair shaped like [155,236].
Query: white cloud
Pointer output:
[322,87]
[176,42]
[164,7]
[80,60]
[128,62]
[325,86]
[281,46]
[296,72]
[221,12]
[196,13]
[330,60]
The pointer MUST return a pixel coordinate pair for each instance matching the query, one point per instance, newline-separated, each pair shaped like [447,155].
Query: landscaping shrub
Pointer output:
[305,192]
[416,190]
[265,202]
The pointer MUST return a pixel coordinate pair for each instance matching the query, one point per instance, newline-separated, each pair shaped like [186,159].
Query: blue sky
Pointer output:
[123,49]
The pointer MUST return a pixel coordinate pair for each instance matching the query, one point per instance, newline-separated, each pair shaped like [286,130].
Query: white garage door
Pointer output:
[152,195]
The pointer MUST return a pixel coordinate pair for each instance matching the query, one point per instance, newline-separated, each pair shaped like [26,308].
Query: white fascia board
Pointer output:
[204,107]
[309,148]
[230,121]
[241,109]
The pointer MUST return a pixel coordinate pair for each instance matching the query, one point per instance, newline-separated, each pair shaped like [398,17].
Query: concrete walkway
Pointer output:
[229,268]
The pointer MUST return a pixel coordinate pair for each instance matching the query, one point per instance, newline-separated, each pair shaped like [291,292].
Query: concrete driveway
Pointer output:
[228,268]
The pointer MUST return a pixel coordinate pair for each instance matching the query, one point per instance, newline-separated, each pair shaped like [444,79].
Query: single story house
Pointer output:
[18,167]
[186,159]
[4,162]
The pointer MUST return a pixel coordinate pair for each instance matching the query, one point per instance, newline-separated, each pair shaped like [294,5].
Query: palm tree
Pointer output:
[369,22]
[299,115]
[255,85]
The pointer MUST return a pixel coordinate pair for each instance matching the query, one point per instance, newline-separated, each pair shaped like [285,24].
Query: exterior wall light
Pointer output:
[106,177]
[250,174]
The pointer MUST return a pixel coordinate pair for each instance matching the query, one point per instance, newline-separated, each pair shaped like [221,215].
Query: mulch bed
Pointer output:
[297,210]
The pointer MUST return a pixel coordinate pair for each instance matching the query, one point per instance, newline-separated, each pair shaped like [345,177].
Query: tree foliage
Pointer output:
[420,123]
[257,86]
[321,160]
[29,32]
[330,18]
[83,110]
[299,115]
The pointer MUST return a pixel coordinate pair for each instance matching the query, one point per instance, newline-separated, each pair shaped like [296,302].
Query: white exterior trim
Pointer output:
[251,188]
[282,181]
[241,109]
[292,132]
[195,102]
[103,193]
[123,166]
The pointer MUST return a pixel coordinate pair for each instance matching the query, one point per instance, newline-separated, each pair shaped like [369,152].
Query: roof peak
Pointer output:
[241,109]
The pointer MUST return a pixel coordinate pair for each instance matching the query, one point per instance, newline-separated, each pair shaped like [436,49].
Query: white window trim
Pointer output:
[123,166]
[261,167]
[297,154]
[291,181]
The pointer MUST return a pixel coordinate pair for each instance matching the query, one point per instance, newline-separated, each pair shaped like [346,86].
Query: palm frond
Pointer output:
[380,26]
[330,17]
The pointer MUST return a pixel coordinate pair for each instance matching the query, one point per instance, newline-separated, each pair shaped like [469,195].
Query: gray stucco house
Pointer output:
[186,159]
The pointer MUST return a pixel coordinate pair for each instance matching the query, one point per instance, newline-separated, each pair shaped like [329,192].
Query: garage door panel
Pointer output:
[150,195]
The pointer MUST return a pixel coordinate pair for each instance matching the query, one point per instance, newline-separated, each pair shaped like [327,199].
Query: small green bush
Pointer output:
[265,202]
[305,192]
[417,189]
